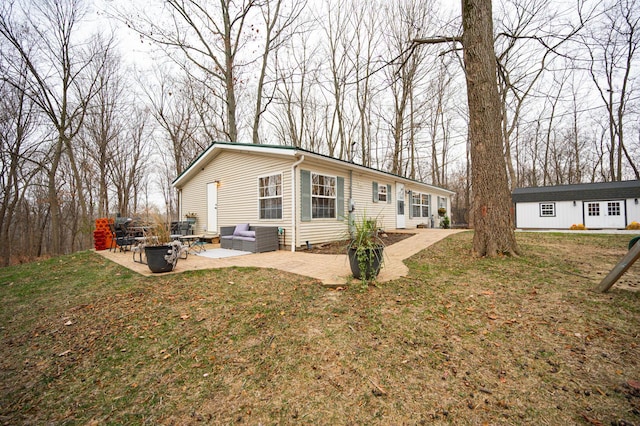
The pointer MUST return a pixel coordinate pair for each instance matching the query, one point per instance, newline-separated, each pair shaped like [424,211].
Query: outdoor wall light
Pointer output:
[574,203]
[635,201]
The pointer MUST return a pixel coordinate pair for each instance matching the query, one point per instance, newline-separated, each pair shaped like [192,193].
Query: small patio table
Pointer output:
[193,242]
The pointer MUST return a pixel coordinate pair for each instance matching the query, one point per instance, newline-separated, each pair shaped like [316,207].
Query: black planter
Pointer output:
[373,263]
[155,258]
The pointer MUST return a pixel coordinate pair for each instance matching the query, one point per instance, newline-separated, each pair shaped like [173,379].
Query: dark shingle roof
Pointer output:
[582,191]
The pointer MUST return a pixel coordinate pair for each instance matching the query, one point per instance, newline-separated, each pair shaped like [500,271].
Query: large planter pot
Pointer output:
[372,263]
[156,258]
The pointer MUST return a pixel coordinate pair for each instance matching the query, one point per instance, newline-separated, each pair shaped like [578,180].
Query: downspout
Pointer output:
[351,206]
[294,194]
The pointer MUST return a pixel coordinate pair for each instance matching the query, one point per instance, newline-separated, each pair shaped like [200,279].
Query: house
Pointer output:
[605,205]
[308,196]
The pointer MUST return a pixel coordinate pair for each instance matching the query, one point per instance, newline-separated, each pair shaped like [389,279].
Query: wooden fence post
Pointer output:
[632,255]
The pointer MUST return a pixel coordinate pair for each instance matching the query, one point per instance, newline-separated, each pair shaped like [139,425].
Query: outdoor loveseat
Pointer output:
[255,239]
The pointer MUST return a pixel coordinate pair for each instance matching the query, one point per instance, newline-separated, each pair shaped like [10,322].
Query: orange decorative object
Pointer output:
[104,234]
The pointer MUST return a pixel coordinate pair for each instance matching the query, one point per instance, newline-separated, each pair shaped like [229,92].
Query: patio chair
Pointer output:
[139,250]
[121,238]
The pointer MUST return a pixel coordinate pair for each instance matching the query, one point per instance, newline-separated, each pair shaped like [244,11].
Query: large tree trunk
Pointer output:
[492,218]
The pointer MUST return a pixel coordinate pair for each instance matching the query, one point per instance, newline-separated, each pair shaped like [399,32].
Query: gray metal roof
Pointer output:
[582,191]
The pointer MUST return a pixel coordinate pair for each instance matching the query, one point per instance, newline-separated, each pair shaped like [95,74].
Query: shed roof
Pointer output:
[281,150]
[582,191]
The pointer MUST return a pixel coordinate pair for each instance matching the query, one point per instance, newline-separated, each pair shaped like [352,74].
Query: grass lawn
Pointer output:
[460,341]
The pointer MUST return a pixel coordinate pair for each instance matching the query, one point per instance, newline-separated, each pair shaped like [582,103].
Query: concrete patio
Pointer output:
[331,270]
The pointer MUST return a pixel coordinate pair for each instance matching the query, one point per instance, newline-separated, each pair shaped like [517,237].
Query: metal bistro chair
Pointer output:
[121,238]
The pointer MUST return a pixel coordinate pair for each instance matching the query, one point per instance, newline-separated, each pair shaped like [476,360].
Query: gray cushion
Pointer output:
[241,227]
[246,234]
[244,238]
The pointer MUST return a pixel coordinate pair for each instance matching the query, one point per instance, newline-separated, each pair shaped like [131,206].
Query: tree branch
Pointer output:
[438,40]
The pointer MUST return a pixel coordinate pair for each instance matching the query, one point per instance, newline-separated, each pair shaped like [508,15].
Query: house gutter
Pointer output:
[294,234]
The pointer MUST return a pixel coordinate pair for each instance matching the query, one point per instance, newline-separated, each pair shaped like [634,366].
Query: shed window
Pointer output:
[270,190]
[547,209]
[593,209]
[323,196]
[613,208]
[420,204]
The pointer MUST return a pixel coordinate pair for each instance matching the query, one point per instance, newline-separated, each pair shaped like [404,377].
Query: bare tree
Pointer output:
[43,35]
[174,109]
[530,37]
[17,165]
[612,48]
[339,38]
[129,160]
[294,99]
[438,123]
[366,21]
[105,124]
[491,196]
[409,20]
[218,43]
[278,18]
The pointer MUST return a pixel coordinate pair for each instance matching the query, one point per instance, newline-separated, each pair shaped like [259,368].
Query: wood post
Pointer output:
[632,255]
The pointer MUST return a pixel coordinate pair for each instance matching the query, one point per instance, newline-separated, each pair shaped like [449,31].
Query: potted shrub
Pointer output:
[162,253]
[365,249]
[445,223]
[442,211]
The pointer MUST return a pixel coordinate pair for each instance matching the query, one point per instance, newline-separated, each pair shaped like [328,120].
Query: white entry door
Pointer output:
[212,207]
[400,223]
[604,214]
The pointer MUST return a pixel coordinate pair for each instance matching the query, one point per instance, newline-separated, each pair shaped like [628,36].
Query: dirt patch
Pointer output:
[340,247]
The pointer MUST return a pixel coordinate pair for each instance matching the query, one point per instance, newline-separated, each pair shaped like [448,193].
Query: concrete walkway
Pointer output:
[330,269]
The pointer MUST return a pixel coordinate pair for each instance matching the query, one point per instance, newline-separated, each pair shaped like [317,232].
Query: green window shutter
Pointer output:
[375,192]
[340,198]
[410,204]
[305,195]
[388,194]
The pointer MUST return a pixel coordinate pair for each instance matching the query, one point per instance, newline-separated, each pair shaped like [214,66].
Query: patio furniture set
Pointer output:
[139,239]
[254,239]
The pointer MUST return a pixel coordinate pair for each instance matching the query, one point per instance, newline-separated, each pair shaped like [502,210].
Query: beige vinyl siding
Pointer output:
[363,196]
[415,221]
[319,231]
[238,196]
[238,200]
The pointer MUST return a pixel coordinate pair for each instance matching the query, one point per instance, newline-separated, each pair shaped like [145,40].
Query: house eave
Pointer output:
[212,151]
[278,150]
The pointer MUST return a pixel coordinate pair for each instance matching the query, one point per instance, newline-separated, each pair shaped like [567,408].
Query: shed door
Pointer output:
[604,214]
[212,207]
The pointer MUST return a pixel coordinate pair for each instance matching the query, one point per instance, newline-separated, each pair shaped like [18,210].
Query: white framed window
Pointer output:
[593,209]
[323,196]
[270,196]
[613,208]
[442,202]
[382,193]
[547,209]
[420,204]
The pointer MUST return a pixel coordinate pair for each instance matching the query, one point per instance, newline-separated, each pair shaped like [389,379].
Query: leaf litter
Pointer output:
[464,341]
